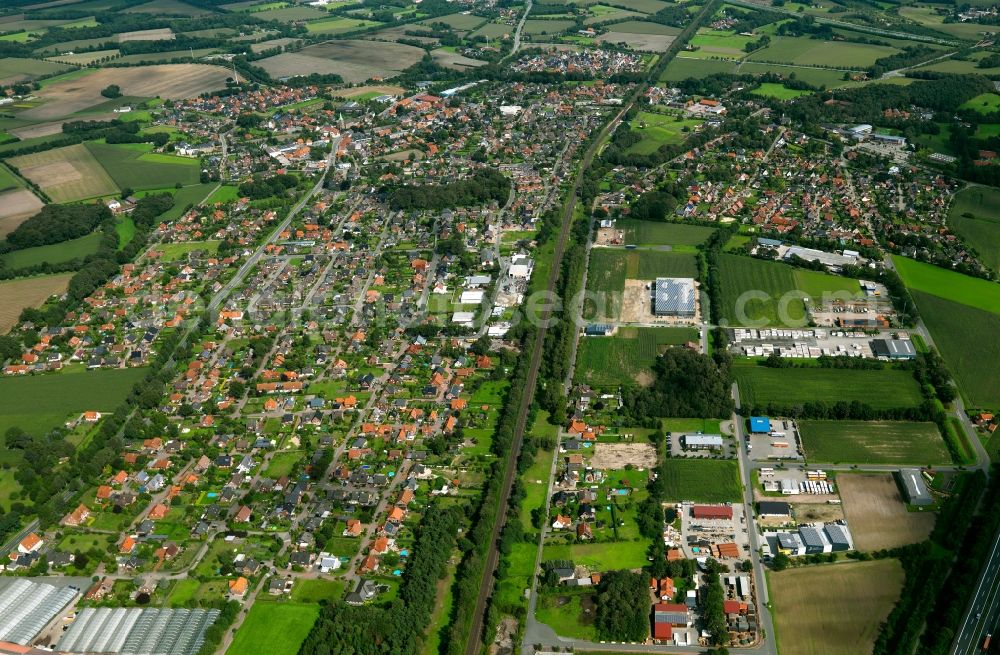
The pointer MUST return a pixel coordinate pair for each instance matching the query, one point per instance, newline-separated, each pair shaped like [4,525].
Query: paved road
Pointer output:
[983,614]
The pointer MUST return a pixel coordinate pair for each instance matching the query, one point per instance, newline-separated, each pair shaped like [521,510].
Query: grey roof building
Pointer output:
[839,536]
[815,540]
[914,487]
[674,296]
[894,348]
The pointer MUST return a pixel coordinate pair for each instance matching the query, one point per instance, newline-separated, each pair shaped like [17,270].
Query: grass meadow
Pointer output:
[881,389]
[274,629]
[971,291]
[627,357]
[873,442]
[975,216]
[702,480]
[659,233]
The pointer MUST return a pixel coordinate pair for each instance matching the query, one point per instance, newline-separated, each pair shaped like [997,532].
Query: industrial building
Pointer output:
[831,260]
[714,512]
[760,424]
[674,296]
[812,539]
[702,441]
[27,607]
[894,348]
[134,631]
[774,509]
[914,487]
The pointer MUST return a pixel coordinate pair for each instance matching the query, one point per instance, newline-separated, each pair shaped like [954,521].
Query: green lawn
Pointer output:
[605,556]
[627,357]
[8,180]
[761,386]
[873,442]
[125,228]
[943,283]
[659,233]
[536,486]
[317,590]
[189,195]
[660,129]
[702,480]
[39,403]
[274,629]
[137,168]
[967,339]
[984,103]
[174,251]
[975,216]
[55,253]
[225,193]
[564,613]
[778,91]
[283,463]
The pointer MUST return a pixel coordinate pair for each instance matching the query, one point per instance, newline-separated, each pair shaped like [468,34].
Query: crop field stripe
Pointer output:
[882,389]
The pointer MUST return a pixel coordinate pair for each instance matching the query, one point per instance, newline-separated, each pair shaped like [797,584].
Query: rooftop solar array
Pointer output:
[26,607]
[134,631]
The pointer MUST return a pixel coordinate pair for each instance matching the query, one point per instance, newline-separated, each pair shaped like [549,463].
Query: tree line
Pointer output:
[484,186]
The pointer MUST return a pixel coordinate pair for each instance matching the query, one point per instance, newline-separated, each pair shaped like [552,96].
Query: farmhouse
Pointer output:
[914,488]
[674,296]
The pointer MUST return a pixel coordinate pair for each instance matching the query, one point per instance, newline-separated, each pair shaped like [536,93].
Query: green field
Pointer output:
[682,68]
[537,27]
[604,556]
[8,180]
[565,614]
[283,463]
[778,91]
[274,629]
[134,166]
[627,357]
[338,25]
[39,403]
[967,339]
[174,251]
[659,129]
[975,216]
[941,282]
[658,233]
[609,268]
[702,480]
[758,293]
[829,77]
[55,253]
[984,103]
[317,590]
[881,389]
[873,442]
[815,52]
[189,195]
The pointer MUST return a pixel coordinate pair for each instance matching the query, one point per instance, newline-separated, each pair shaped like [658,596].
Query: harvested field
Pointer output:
[66,174]
[55,127]
[171,81]
[161,34]
[454,60]
[15,295]
[355,61]
[85,58]
[877,514]
[617,455]
[643,42]
[380,89]
[15,69]
[16,206]
[833,610]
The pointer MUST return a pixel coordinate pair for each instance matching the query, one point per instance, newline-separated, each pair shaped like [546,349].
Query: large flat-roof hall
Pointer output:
[674,296]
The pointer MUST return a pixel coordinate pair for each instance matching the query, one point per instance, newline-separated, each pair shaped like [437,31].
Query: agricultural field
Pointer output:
[55,253]
[877,513]
[536,27]
[15,295]
[975,216]
[703,480]
[659,233]
[16,205]
[338,25]
[660,129]
[56,397]
[719,44]
[66,174]
[169,81]
[85,58]
[640,35]
[814,52]
[626,357]
[158,34]
[885,389]
[355,61]
[927,17]
[966,338]
[604,13]
[830,78]
[136,167]
[274,629]
[833,610]
[943,283]
[14,69]
[460,22]
[778,91]
[873,442]
[681,68]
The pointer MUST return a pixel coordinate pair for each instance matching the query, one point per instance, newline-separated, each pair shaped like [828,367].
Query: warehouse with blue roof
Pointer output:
[760,424]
